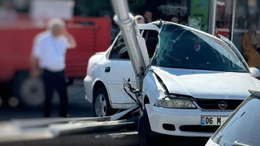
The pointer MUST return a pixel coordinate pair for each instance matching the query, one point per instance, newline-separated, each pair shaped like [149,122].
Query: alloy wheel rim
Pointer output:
[101,106]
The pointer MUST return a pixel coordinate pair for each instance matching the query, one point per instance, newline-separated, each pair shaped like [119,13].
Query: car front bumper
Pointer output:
[181,122]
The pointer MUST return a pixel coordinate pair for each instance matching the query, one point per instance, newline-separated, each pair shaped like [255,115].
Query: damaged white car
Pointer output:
[192,84]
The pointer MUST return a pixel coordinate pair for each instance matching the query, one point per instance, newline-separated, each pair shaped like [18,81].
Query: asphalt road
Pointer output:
[79,107]
[110,139]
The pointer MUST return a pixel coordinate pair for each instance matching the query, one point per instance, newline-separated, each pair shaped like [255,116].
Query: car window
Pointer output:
[151,40]
[243,127]
[119,50]
[180,47]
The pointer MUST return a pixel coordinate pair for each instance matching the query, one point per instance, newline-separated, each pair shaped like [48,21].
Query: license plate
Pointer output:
[213,120]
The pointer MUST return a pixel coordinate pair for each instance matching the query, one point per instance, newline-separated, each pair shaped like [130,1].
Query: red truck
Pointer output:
[92,35]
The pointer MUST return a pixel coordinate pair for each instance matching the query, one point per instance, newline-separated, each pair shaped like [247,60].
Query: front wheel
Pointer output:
[144,129]
[101,105]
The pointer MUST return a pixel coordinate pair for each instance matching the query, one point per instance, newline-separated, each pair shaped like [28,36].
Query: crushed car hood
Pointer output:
[207,84]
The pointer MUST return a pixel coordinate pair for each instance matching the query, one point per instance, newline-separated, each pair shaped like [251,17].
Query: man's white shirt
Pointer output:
[51,51]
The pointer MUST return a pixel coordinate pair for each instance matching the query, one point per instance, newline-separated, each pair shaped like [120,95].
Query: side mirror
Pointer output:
[254,72]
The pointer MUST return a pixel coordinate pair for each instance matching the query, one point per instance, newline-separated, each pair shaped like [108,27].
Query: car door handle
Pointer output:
[107,69]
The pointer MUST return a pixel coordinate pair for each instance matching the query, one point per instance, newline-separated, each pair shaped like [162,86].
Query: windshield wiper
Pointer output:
[236,143]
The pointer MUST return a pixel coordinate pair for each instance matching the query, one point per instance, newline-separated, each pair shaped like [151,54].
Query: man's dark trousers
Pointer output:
[55,81]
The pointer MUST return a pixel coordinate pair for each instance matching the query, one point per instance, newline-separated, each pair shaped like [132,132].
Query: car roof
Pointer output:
[159,23]
[153,26]
[148,26]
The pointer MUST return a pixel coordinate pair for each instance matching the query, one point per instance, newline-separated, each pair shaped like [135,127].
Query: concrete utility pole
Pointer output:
[135,44]
[212,17]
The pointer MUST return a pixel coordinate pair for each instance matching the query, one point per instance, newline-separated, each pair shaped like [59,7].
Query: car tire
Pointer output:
[144,129]
[30,92]
[101,105]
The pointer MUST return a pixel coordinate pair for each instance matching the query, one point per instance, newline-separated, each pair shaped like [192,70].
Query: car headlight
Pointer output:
[178,103]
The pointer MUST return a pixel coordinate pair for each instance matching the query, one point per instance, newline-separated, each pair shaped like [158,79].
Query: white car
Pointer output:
[243,127]
[192,85]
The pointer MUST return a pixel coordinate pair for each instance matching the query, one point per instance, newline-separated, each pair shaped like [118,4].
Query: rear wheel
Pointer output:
[144,129]
[101,105]
[30,92]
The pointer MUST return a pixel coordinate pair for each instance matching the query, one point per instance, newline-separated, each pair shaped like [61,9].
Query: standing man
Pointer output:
[250,46]
[48,57]
[148,16]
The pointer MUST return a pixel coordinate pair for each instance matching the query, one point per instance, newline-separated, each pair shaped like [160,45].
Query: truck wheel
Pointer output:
[30,92]
[101,105]
[144,129]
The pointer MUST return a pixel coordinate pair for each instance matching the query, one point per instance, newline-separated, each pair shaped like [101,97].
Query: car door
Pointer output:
[118,68]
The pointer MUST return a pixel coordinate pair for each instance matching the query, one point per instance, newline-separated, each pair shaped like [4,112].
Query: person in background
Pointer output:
[148,16]
[175,19]
[8,15]
[250,44]
[48,57]
[139,19]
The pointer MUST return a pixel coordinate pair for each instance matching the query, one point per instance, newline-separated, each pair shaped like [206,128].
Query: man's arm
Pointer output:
[71,40]
[34,60]
[35,68]
[246,46]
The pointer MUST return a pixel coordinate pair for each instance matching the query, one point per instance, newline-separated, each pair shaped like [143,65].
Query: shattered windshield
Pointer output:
[180,47]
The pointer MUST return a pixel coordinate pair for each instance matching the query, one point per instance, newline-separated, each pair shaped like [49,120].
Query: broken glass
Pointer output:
[185,48]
